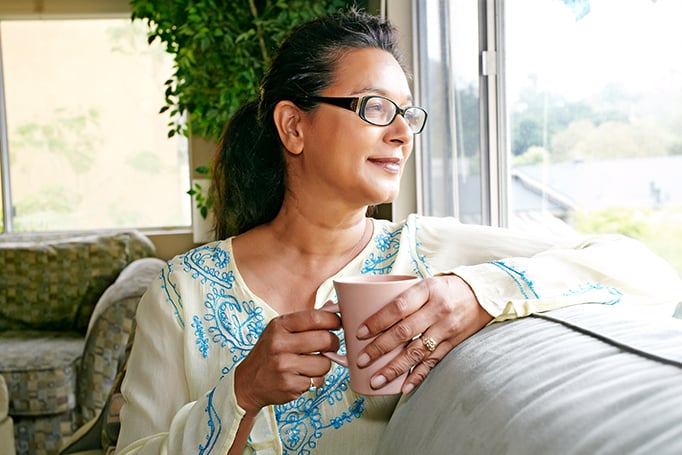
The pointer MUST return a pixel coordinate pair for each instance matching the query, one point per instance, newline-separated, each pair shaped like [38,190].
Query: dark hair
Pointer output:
[248,169]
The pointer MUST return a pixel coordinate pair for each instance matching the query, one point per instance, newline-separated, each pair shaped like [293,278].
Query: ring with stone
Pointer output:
[429,343]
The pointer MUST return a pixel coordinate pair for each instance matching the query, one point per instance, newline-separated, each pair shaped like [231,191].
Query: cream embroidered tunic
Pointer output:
[199,320]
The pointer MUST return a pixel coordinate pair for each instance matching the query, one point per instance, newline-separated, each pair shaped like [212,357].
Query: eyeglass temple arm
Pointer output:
[351,104]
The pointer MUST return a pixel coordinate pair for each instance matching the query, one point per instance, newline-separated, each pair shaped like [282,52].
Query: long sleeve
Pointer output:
[514,274]
[163,414]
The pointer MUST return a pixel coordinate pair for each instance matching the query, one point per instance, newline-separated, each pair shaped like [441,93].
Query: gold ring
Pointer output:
[429,343]
[312,387]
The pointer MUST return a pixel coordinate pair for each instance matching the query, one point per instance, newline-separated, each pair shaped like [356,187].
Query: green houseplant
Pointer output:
[221,49]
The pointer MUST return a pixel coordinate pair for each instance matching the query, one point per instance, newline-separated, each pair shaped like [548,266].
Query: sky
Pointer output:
[636,42]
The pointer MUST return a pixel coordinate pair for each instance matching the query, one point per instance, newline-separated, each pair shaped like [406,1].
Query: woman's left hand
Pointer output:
[443,309]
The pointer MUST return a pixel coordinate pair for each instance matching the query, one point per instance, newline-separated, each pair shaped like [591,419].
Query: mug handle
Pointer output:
[336,357]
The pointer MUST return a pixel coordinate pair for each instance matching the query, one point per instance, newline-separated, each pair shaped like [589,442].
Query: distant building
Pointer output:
[641,182]
[549,195]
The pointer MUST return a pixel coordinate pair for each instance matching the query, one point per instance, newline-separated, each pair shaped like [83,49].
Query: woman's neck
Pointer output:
[285,261]
[319,234]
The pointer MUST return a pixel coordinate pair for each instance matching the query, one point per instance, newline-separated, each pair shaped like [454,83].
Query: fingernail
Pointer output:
[408,388]
[377,381]
[363,331]
[363,360]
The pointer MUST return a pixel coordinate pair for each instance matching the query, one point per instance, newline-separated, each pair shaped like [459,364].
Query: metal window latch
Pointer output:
[488,63]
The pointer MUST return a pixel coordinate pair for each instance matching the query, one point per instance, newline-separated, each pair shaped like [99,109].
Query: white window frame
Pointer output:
[7,214]
[494,141]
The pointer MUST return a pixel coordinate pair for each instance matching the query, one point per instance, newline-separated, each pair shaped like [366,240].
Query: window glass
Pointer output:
[594,98]
[449,90]
[88,148]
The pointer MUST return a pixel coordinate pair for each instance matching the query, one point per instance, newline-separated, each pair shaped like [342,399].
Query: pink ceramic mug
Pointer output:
[358,298]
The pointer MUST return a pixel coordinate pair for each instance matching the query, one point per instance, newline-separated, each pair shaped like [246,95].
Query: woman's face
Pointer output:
[344,157]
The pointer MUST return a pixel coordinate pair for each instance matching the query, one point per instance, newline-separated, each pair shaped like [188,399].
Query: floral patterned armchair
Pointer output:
[67,305]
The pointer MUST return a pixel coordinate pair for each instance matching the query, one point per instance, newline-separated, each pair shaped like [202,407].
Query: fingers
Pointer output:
[281,381]
[397,310]
[304,332]
[429,320]
[305,320]
[399,322]
[279,367]
[304,372]
[312,341]
[416,357]
[422,369]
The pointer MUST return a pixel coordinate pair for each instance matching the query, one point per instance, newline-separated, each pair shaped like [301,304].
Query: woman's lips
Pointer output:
[389,164]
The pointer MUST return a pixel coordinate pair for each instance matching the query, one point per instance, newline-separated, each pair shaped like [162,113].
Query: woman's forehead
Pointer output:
[368,70]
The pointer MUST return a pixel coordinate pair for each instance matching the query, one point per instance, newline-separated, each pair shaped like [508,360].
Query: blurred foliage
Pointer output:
[71,135]
[534,155]
[612,124]
[628,221]
[659,229]
[221,49]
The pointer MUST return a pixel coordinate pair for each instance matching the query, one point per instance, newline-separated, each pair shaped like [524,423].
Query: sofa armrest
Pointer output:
[583,379]
[6,425]
[108,331]
[132,282]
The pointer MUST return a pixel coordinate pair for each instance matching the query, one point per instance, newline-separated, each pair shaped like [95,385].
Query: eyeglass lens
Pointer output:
[381,111]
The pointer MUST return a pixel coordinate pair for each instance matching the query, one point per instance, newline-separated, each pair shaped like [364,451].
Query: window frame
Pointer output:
[495,176]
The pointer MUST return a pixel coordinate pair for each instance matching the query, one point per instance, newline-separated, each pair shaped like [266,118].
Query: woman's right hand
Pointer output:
[285,358]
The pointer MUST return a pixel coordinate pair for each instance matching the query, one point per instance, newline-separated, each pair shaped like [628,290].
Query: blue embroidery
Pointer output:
[231,323]
[202,340]
[223,371]
[236,325]
[519,277]
[215,426]
[208,263]
[300,421]
[388,243]
[616,294]
[417,258]
[172,294]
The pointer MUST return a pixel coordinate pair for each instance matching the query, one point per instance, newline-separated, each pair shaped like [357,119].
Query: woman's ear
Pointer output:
[288,120]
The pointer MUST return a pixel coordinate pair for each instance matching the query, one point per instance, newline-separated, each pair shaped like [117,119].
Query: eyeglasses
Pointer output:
[379,110]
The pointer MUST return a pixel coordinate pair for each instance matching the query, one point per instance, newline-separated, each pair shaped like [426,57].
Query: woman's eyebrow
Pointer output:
[380,91]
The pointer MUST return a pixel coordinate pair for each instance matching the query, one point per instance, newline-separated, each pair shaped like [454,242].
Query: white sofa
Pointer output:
[589,379]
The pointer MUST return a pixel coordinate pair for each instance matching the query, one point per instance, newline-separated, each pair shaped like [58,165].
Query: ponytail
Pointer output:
[248,174]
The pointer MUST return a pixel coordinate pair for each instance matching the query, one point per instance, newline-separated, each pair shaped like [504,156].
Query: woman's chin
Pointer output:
[386,197]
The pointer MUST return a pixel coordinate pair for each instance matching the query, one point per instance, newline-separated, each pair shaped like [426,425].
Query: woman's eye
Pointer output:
[375,106]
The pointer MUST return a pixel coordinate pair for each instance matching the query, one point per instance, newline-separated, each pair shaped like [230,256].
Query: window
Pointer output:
[448,65]
[87,147]
[580,112]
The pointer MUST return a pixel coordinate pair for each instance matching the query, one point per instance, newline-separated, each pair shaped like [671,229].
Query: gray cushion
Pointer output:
[581,380]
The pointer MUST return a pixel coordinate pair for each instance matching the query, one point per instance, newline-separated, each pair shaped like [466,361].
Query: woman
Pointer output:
[226,354]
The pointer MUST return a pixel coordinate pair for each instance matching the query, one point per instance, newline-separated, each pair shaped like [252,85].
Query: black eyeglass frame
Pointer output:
[357,105]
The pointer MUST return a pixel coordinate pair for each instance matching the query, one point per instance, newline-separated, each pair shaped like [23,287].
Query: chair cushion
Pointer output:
[40,369]
[43,435]
[53,284]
